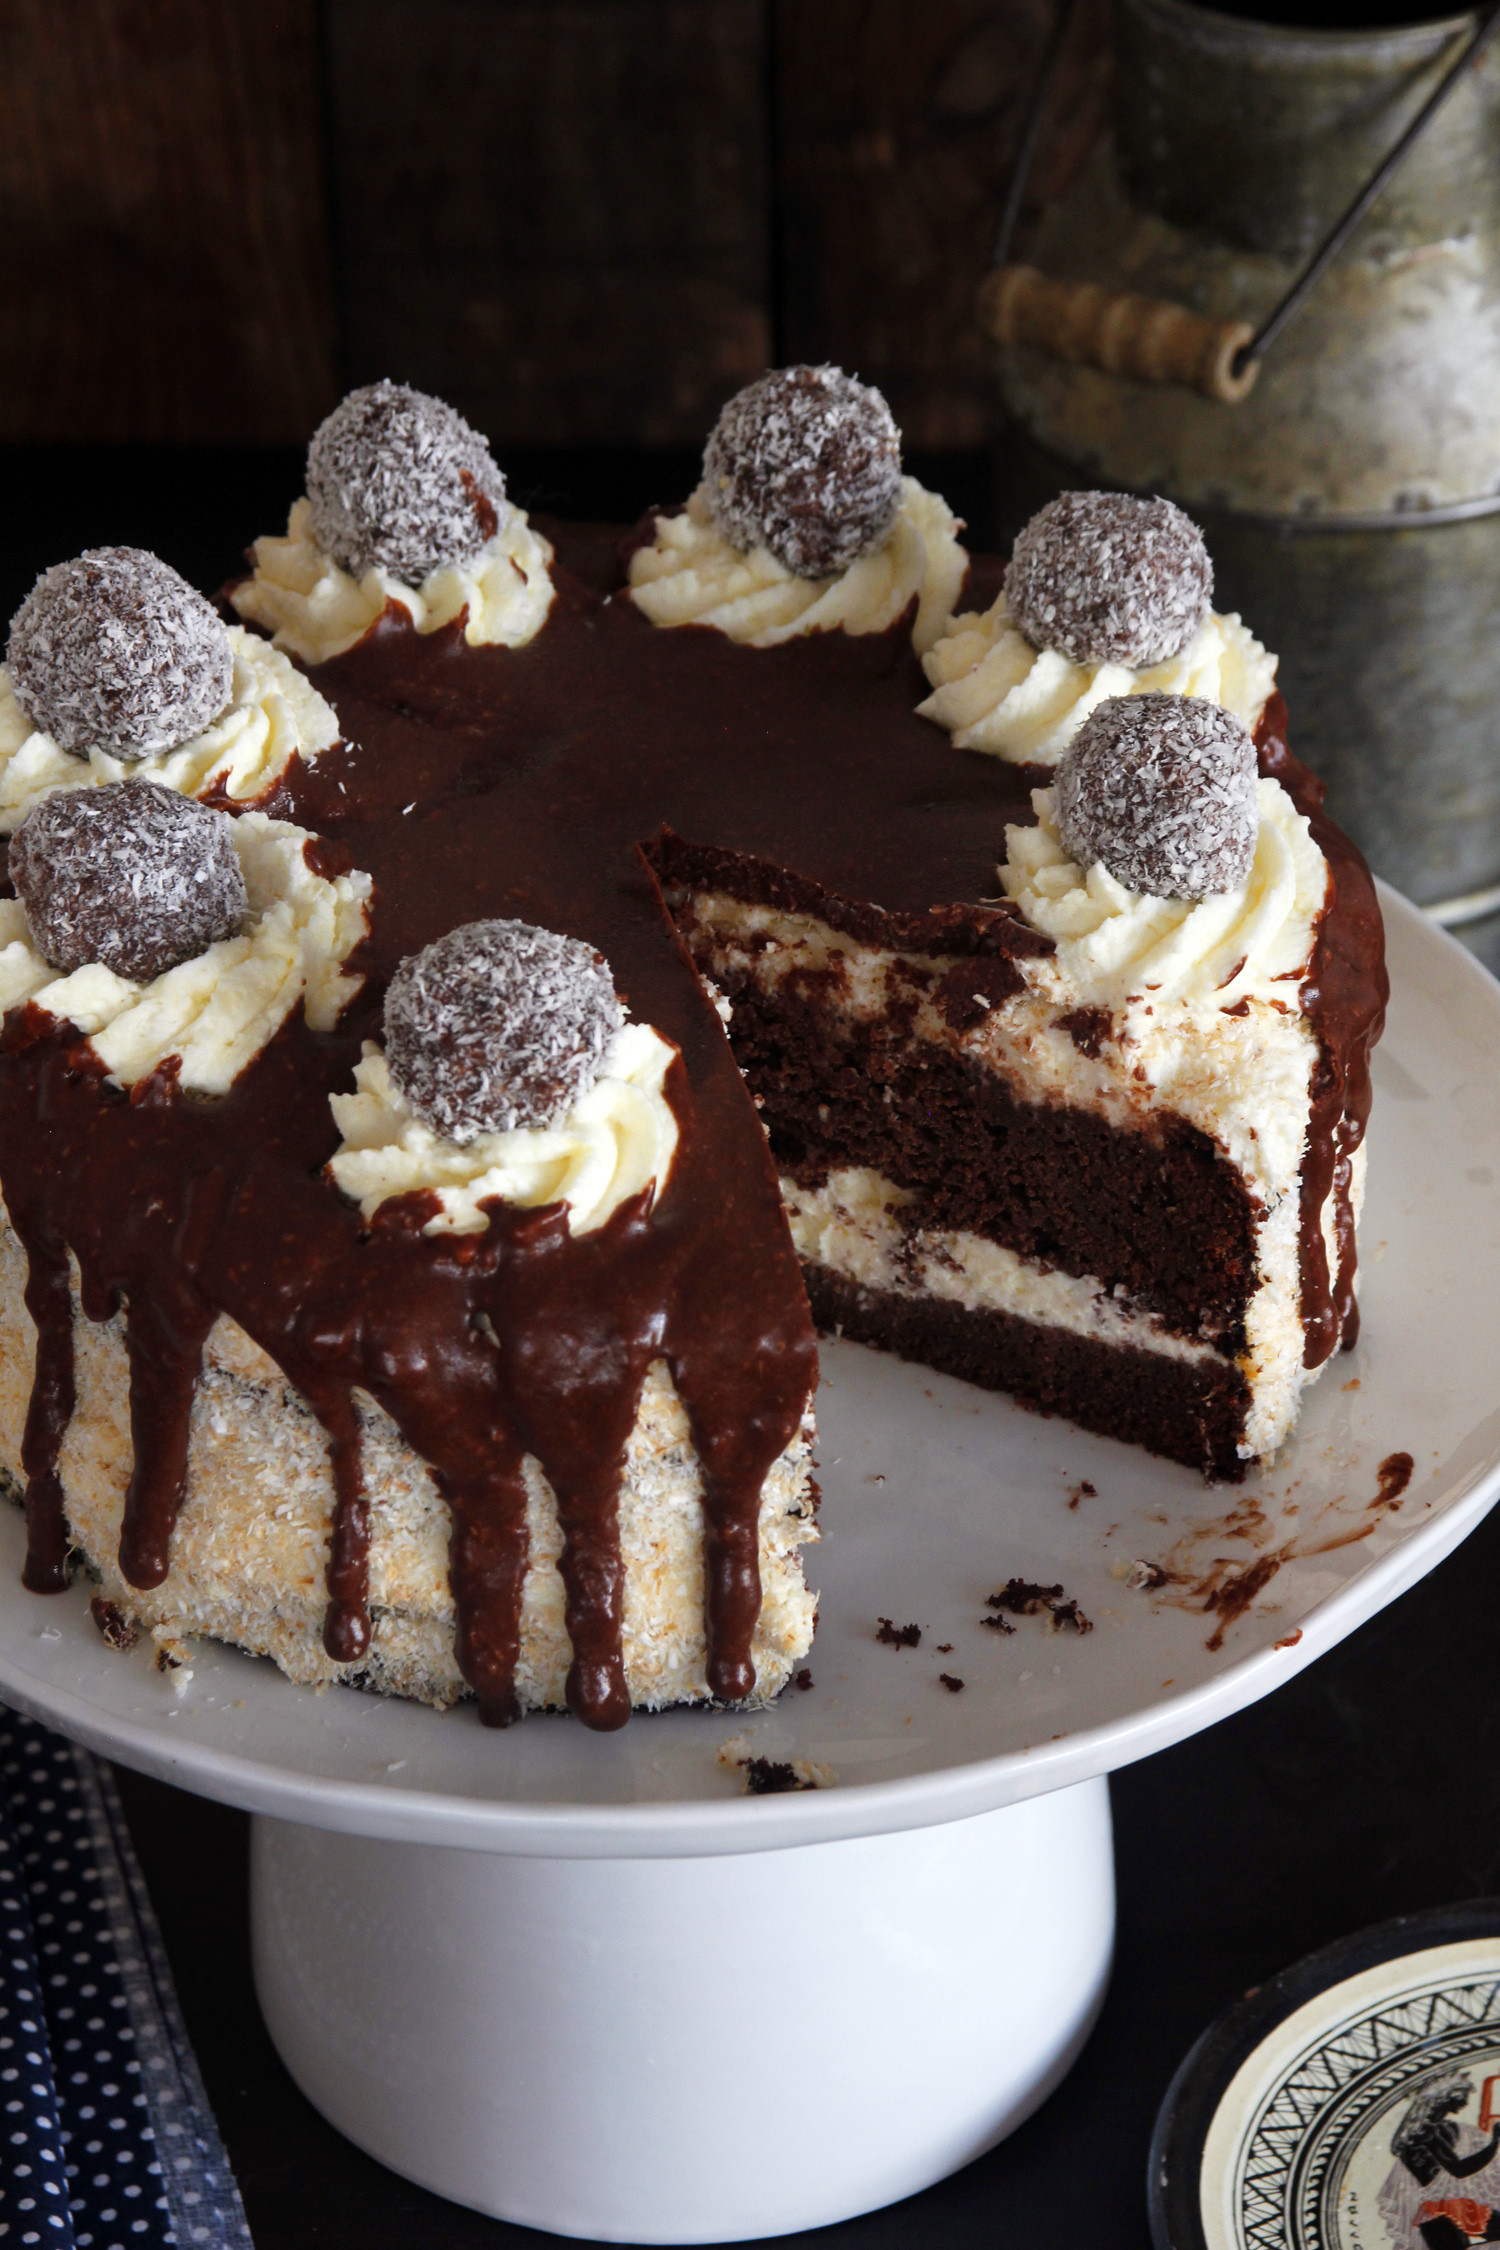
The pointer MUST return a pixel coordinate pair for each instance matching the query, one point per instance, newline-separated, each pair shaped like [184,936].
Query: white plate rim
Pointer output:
[378,1809]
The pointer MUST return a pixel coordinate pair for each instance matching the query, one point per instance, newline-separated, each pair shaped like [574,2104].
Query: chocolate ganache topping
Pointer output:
[552,784]
[1344,998]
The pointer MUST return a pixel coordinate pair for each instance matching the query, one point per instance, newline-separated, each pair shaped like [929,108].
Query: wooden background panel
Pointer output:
[554,212]
[897,129]
[586,222]
[163,250]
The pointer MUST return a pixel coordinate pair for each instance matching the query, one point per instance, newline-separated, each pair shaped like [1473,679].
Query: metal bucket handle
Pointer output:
[1149,338]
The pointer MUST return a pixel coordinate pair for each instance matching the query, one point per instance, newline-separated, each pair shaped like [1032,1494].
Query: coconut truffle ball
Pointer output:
[132,875]
[398,481]
[1108,579]
[116,652]
[806,462]
[1162,790]
[498,1025]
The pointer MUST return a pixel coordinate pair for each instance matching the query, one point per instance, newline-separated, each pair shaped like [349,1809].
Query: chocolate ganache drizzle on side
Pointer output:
[537,783]
[1344,999]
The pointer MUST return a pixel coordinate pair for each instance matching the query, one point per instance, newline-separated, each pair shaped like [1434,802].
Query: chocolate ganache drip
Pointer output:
[1344,999]
[527,784]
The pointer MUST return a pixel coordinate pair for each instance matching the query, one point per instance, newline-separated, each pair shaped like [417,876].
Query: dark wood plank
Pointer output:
[586,221]
[554,212]
[897,127]
[163,254]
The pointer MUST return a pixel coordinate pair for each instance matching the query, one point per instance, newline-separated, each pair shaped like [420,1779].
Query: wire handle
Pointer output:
[1339,233]
[1147,337]
[1144,337]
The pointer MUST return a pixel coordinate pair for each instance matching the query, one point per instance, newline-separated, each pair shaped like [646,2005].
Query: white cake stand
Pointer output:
[584,1983]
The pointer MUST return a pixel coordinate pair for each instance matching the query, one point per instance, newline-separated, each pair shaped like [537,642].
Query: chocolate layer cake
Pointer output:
[507,1391]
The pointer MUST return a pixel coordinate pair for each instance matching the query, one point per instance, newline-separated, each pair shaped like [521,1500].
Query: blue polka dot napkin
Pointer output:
[106,2137]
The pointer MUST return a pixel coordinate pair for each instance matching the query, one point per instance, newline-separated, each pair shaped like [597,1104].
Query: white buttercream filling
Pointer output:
[1111,941]
[617,1139]
[691,575]
[993,691]
[316,610]
[218,1010]
[850,1224]
[273,714]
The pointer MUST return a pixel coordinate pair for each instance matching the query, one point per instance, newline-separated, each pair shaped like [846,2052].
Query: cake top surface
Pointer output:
[807,463]
[397,480]
[1107,578]
[1160,790]
[498,1025]
[114,651]
[129,874]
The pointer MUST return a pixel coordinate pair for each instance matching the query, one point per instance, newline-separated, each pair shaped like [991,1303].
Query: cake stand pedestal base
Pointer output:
[687,2050]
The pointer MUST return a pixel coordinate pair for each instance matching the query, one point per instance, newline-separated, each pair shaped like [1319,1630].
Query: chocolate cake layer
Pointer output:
[1193,1413]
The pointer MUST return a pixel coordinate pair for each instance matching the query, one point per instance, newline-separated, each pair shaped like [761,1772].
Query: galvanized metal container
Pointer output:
[1352,501]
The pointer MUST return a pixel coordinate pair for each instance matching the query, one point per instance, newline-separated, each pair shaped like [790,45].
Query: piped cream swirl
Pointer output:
[316,610]
[273,715]
[994,692]
[1254,942]
[616,1139]
[218,1010]
[691,575]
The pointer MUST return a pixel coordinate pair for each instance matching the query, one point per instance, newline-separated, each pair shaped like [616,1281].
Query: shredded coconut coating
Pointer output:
[1161,790]
[131,875]
[497,1026]
[115,652]
[398,481]
[1107,579]
[806,463]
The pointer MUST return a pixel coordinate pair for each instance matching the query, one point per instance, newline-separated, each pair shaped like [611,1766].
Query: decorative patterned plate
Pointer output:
[1353,2103]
